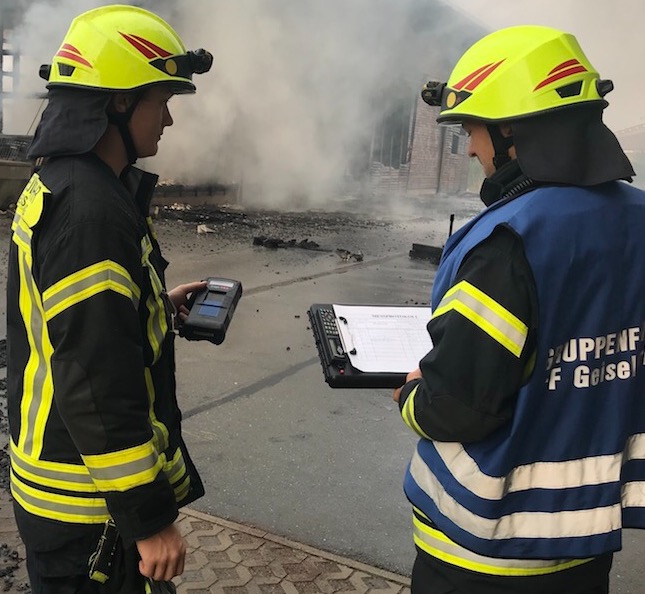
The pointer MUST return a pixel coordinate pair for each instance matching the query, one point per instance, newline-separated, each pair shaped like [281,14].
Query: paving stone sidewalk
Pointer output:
[229,558]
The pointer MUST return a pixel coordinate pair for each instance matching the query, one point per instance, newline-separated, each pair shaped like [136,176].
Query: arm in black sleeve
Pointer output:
[471,377]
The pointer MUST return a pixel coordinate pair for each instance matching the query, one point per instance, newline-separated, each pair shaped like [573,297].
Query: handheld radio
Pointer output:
[211,310]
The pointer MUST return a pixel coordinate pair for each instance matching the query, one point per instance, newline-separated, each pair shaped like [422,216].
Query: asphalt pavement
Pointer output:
[285,459]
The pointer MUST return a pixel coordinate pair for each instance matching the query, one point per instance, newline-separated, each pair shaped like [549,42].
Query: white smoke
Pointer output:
[295,89]
[297,85]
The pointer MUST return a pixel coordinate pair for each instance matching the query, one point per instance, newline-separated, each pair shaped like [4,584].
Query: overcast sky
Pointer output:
[611,35]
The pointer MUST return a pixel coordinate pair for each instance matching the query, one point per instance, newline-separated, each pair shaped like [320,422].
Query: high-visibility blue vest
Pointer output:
[568,472]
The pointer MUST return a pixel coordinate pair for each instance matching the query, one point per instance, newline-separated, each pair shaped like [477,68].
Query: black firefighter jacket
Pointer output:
[95,426]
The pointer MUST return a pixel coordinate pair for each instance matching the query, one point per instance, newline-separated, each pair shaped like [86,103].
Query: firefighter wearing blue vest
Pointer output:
[530,407]
[99,468]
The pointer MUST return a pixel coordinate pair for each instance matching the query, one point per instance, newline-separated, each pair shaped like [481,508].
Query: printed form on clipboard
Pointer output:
[384,339]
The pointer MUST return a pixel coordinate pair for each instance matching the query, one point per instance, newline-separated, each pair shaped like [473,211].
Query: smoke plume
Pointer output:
[295,91]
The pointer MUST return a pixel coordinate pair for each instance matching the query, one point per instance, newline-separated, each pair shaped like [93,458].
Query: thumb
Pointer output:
[143,570]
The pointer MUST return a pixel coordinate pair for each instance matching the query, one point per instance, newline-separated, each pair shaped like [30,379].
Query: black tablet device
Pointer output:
[337,369]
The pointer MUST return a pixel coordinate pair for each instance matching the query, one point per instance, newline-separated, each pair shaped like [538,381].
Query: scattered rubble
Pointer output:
[346,255]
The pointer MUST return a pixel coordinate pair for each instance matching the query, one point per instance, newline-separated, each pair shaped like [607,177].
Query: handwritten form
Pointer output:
[382,338]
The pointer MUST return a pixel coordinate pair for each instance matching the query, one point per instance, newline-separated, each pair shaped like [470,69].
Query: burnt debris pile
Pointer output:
[337,233]
[276,242]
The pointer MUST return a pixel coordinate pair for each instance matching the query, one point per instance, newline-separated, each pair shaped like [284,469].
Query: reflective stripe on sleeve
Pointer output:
[90,281]
[157,325]
[408,414]
[124,469]
[488,315]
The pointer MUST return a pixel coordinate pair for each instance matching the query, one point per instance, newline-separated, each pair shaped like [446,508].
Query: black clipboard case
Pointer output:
[337,369]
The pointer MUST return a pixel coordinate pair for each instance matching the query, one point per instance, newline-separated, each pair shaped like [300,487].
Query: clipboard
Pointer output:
[369,346]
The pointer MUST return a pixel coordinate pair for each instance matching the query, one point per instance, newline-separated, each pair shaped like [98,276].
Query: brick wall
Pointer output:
[434,167]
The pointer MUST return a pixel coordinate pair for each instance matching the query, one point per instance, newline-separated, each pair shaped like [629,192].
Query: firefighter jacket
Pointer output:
[562,477]
[95,426]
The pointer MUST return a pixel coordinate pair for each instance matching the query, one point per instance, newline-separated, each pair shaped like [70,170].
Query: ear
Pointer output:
[121,102]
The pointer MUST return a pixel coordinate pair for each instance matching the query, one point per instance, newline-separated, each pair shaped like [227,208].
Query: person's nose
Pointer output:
[167,118]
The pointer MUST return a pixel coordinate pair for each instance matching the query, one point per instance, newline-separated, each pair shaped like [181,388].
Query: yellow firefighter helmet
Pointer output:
[517,72]
[123,48]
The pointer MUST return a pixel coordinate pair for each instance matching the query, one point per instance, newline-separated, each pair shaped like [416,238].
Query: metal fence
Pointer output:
[14,147]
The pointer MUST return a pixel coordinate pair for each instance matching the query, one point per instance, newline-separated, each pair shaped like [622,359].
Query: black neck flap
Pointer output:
[121,120]
[570,146]
[501,144]
[508,181]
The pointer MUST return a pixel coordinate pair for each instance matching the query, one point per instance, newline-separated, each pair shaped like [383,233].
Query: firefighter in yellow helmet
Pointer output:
[529,407]
[96,445]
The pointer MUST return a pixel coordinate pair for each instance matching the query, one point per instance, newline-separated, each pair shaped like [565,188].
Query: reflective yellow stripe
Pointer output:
[37,384]
[21,235]
[85,283]
[159,430]
[73,477]
[65,508]
[31,202]
[485,313]
[175,471]
[124,469]
[176,468]
[408,414]
[151,227]
[181,490]
[436,543]
[157,322]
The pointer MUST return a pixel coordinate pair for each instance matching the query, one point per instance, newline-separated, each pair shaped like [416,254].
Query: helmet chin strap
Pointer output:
[121,120]
[501,144]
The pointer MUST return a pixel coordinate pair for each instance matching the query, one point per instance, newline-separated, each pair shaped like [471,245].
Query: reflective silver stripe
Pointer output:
[175,469]
[563,524]
[182,489]
[486,314]
[123,469]
[159,430]
[85,283]
[22,237]
[539,475]
[65,508]
[437,544]
[73,477]
[157,322]
[117,474]
[36,400]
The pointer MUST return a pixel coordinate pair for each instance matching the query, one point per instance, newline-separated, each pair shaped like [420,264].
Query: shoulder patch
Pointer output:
[32,201]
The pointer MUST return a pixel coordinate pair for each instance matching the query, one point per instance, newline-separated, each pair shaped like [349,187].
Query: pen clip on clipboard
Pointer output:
[346,336]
